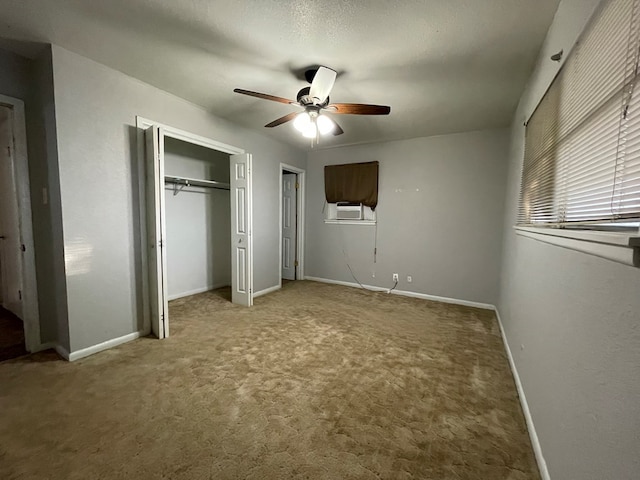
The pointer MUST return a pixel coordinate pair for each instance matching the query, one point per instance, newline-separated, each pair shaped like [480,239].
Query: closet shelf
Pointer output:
[195,182]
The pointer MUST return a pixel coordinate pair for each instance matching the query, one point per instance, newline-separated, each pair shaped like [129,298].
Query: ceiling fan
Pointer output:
[313,121]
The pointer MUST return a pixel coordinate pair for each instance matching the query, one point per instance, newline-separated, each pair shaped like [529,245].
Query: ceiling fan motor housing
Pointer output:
[306,100]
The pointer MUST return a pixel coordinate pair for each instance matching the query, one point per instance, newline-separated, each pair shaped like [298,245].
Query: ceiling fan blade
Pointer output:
[287,118]
[337,130]
[265,96]
[358,109]
[322,84]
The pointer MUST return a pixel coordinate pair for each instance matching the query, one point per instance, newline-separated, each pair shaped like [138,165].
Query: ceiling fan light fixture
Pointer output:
[302,121]
[310,130]
[325,124]
[314,100]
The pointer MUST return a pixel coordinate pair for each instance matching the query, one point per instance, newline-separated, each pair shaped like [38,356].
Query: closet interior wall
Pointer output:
[198,220]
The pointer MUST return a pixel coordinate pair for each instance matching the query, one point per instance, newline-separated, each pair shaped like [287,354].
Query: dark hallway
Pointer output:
[11,336]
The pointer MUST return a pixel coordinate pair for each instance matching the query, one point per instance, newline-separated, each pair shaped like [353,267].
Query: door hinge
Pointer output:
[297,185]
[9,150]
[20,294]
[295,264]
[23,248]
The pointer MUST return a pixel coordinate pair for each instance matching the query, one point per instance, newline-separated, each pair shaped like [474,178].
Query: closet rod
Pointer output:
[193,182]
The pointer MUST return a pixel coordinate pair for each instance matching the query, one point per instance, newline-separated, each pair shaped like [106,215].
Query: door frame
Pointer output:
[300,194]
[142,124]
[29,287]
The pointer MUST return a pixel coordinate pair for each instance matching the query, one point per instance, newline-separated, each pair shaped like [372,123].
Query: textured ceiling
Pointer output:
[442,65]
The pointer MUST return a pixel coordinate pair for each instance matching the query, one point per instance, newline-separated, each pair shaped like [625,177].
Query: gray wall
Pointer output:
[439,216]
[100,176]
[31,80]
[198,221]
[571,321]
[15,80]
[52,286]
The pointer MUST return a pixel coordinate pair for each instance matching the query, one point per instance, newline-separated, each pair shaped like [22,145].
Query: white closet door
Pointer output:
[154,156]
[289,214]
[241,248]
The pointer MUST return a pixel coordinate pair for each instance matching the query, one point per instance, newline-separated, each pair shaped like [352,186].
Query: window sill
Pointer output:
[351,222]
[616,246]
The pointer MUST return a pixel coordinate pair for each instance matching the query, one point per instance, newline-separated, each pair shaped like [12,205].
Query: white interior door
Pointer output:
[10,242]
[241,244]
[289,213]
[154,157]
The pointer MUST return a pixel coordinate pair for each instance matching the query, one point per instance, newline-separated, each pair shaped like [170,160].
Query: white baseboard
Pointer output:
[175,296]
[405,293]
[85,352]
[267,290]
[535,441]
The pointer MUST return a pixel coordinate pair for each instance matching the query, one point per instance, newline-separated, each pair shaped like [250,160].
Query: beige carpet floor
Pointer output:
[314,382]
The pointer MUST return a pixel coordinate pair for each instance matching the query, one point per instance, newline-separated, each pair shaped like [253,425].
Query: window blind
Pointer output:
[582,144]
[352,183]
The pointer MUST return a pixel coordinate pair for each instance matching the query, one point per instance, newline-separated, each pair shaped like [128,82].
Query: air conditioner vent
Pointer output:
[349,211]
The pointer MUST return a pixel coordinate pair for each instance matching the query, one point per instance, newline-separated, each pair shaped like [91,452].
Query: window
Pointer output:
[351,191]
[582,147]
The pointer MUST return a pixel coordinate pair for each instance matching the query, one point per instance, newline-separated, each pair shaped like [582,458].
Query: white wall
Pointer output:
[198,221]
[99,179]
[572,321]
[439,216]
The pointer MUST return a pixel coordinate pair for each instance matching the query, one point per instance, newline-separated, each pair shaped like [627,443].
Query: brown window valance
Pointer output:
[353,183]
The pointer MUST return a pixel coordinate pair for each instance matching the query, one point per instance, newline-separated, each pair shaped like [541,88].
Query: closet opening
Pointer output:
[198,211]
[197,218]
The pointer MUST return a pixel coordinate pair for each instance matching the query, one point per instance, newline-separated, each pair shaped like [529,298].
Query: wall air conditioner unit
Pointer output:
[349,211]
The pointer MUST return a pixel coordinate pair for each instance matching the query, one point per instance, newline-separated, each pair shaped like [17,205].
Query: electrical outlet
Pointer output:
[409,279]
[395,277]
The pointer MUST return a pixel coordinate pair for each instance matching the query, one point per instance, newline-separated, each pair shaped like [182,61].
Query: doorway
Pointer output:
[198,219]
[292,184]
[18,288]
[153,136]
